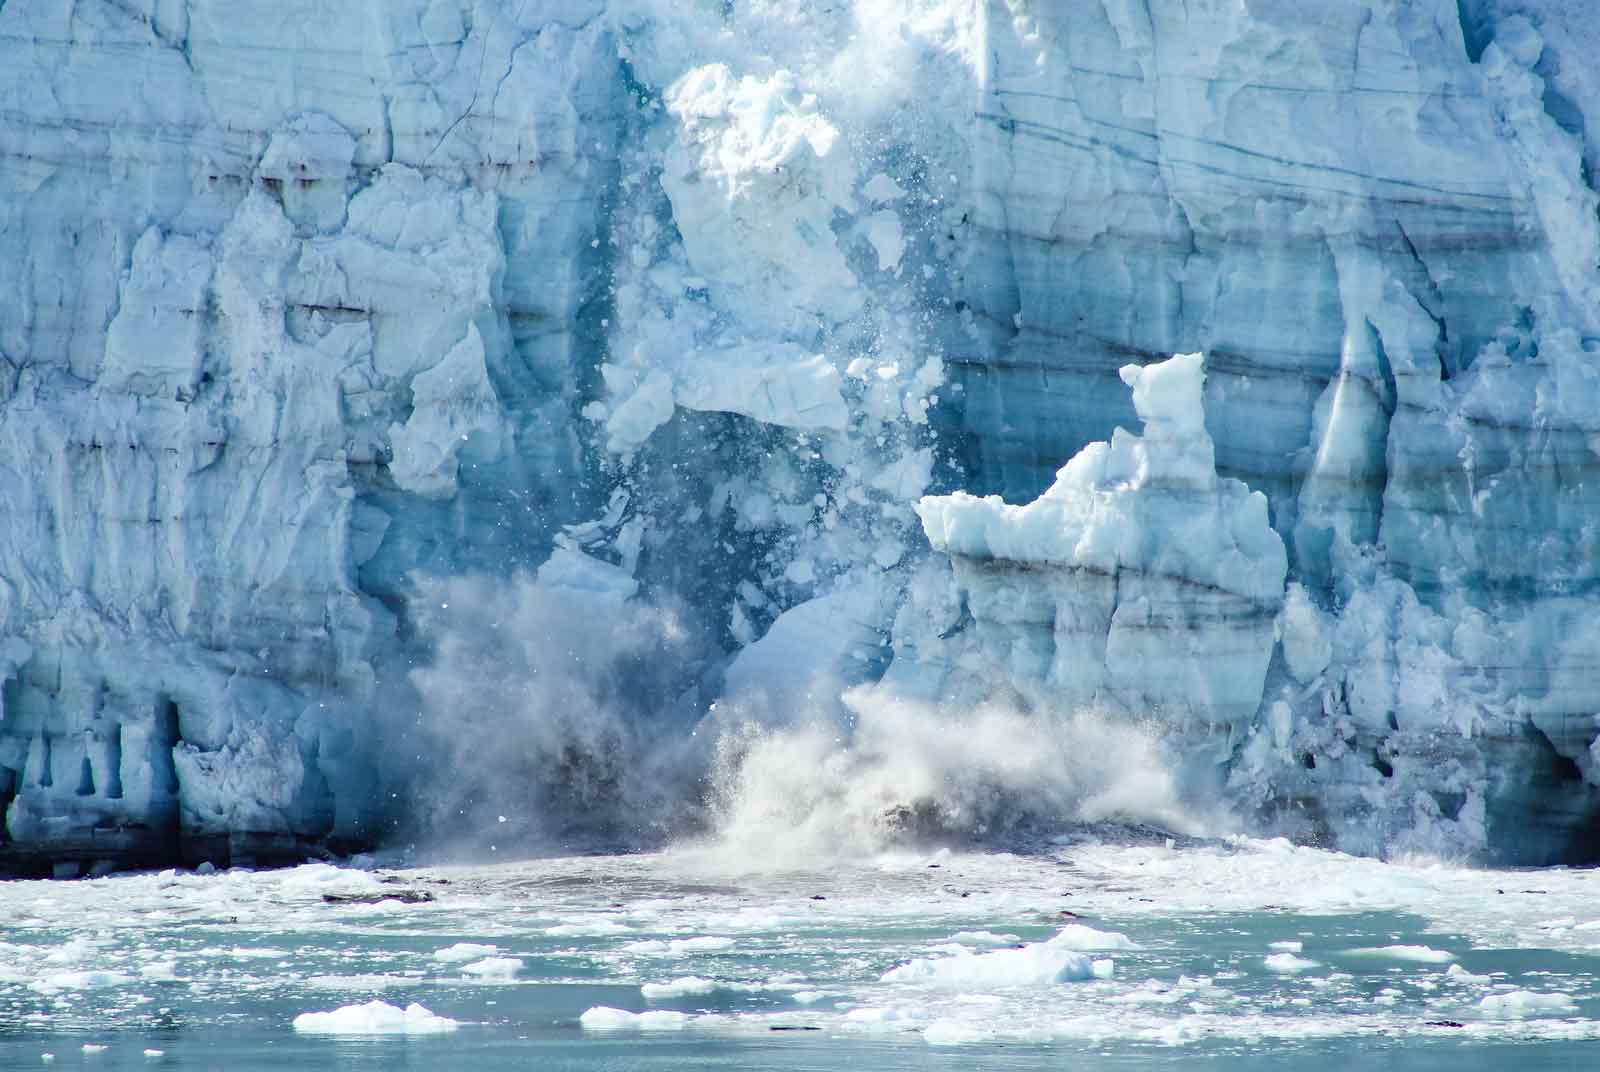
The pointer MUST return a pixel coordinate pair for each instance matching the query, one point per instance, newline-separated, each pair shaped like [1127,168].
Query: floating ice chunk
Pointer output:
[374,1018]
[155,1053]
[590,929]
[1516,1004]
[245,952]
[952,1033]
[1286,947]
[1087,939]
[315,878]
[491,969]
[605,1018]
[1462,975]
[686,986]
[94,1047]
[1031,965]
[1289,964]
[1417,954]
[462,952]
[1103,969]
[677,947]
[161,969]
[77,980]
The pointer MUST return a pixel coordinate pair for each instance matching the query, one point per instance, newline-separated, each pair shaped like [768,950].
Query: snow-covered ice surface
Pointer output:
[1132,955]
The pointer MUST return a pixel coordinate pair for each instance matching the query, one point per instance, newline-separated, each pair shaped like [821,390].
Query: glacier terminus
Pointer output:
[582,422]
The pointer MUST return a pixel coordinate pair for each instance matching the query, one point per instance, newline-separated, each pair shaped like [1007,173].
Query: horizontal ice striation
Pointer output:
[1138,582]
[1378,222]
[325,315]
[295,299]
[321,317]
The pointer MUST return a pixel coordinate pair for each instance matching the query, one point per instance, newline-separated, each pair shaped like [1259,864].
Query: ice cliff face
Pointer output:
[1138,581]
[328,328]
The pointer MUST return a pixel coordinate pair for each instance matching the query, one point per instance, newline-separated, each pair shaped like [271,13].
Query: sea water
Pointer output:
[1086,953]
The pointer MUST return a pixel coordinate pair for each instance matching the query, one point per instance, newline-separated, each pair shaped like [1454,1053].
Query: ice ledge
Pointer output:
[1151,504]
[1161,581]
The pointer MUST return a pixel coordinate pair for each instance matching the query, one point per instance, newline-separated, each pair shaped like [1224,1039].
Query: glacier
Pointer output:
[458,417]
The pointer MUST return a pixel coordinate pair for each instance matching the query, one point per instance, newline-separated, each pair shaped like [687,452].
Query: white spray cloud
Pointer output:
[553,705]
[907,771]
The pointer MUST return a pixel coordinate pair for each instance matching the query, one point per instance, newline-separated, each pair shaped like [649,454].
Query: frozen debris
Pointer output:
[374,1018]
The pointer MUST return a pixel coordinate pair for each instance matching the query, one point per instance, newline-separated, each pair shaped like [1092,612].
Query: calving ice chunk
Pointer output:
[755,177]
[1140,580]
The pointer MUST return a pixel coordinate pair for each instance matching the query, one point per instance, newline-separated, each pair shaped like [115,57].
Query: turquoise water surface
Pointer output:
[1233,955]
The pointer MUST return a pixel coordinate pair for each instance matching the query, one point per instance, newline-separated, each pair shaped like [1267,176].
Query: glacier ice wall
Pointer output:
[328,328]
[1137,582]
[287,323]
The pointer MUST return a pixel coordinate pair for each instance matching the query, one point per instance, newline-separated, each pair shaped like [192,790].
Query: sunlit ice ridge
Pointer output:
[479,428]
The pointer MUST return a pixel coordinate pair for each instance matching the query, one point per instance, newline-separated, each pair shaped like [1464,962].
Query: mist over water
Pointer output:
[554,718]
[908,772]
